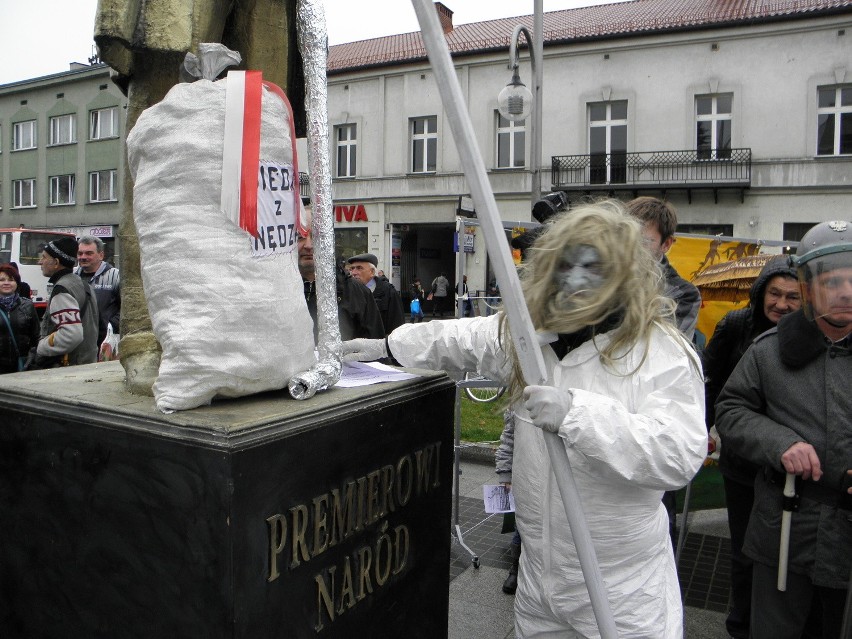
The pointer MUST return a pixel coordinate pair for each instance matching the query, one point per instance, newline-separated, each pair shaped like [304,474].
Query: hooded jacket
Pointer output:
[793,386]
[630,435]
[733,335]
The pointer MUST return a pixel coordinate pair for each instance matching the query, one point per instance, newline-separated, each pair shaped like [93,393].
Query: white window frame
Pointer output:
[515,132]
[430,133]
[715,117]
[63,129]
[103,123]
[608,124]
[57,182]
[346,150]
[96,187]
[23,132]
[836,112]
[23,193]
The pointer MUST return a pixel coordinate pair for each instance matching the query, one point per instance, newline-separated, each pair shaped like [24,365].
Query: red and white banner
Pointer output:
[261,197]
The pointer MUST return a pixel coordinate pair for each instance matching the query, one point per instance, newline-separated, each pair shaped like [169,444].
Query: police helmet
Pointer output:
[826,247]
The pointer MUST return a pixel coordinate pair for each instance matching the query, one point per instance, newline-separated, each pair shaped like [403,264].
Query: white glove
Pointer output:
[547,406]
[363,350]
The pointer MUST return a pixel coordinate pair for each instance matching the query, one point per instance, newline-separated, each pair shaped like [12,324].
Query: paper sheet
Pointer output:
[365,373]
[498,499]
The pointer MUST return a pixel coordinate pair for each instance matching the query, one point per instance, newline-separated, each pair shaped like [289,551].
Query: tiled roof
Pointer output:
[587,23]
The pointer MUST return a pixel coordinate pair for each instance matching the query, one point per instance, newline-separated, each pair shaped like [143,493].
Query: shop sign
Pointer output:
[80,231]
[468,240]
[352,213]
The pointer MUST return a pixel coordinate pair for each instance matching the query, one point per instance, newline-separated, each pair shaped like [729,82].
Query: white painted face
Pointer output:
[579,272]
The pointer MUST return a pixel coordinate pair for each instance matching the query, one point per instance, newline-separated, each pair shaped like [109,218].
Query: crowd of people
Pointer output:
[84,303]
[628,393]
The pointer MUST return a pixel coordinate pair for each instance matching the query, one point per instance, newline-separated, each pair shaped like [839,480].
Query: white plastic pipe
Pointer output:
[784,547]
[523,332]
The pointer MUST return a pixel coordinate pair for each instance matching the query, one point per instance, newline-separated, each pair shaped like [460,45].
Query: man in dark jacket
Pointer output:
[787,407]
[69,328]
[363,267]
[104,279]
[356,310]
[775,293]
[659,223]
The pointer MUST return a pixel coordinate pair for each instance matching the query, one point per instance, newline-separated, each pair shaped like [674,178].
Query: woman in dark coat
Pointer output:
[19,314]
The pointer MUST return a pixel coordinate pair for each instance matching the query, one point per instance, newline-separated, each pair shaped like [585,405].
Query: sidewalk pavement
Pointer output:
[480,610]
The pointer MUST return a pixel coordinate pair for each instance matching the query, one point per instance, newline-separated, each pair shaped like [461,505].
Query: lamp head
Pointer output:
[515,100]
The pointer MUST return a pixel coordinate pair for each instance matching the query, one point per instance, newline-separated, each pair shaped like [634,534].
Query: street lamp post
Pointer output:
[515,100]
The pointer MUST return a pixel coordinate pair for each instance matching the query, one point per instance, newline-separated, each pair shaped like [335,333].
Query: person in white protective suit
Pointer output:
[624,393]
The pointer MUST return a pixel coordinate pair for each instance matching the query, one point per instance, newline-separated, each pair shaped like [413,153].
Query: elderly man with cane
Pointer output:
[787,407]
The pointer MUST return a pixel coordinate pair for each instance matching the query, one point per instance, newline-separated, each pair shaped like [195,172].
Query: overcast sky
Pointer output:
[40,37]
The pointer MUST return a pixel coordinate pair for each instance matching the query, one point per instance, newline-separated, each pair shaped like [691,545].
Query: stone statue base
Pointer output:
[257,517]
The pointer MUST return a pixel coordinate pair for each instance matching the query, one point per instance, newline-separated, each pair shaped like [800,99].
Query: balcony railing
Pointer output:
[729,168]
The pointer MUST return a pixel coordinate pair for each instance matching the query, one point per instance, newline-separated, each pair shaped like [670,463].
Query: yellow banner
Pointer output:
[692,255]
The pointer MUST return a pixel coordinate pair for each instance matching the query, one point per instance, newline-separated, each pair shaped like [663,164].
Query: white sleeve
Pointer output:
[663,442]
[470,344]
[65,313]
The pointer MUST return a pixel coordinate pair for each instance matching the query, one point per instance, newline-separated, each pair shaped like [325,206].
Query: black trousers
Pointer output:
[790,614]
[739,499]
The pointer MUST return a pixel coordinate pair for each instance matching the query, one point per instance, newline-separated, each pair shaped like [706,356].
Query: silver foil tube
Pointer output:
[313,45]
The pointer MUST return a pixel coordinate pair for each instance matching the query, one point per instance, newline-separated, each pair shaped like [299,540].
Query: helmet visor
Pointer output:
[826,284]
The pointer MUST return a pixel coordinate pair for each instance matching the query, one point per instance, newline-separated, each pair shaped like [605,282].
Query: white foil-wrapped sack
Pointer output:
[230,322]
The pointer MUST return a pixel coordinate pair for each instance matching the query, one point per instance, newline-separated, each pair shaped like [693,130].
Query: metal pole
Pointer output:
[537,51]
[460,266]
[684,523]
[522,329]
[474,558]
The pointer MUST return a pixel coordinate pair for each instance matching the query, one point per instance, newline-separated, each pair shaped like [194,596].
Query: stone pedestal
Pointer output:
[259,517]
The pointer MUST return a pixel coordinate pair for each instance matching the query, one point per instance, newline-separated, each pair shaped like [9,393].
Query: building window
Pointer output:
[834,120]
[62,190]
[608,142]
[424,144]
[103,123]
[713,126]
[347,149]
[24,135]
[63,129]
[23,193]
[511,137]
[102,186]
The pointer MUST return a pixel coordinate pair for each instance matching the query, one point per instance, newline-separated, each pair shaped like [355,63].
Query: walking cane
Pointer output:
[522,330]
[790,504]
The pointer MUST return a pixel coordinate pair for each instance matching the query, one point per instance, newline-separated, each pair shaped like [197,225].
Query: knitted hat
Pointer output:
[11,272]
[64,249]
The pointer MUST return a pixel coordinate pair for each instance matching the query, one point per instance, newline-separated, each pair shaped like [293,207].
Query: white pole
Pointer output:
[523,332]
[784,547]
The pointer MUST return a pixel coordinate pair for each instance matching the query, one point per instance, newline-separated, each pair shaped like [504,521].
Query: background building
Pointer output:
[62,153]
[740,113]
